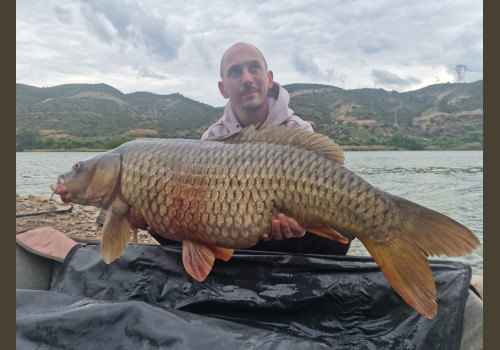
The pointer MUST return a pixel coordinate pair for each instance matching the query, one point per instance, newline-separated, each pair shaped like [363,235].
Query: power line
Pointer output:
[460,69]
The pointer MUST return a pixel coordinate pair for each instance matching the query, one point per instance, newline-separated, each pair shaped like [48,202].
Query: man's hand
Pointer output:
[284,226]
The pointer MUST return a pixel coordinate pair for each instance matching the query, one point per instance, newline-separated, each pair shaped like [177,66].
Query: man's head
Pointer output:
[245,78]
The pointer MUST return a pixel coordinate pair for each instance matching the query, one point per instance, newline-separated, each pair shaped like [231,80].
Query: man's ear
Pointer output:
[270,78]
[222,91]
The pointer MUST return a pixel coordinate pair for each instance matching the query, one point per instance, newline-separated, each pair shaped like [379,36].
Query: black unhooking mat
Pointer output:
[146,300]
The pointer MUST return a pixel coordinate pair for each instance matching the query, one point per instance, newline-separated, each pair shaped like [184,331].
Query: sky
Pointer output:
[166,47]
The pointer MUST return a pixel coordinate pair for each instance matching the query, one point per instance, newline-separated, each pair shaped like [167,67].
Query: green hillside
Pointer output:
[374,116]
[100,116]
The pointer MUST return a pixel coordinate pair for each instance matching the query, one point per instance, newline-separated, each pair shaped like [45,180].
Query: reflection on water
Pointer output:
[450,182]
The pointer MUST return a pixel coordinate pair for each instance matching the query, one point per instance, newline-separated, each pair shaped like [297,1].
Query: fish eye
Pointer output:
[77,166]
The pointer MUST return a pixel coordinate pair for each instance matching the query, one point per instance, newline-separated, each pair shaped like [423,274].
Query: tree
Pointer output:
[401,140]
[26,139]
[115,141]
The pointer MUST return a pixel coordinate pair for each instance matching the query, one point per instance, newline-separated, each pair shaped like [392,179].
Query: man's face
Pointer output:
[245,80]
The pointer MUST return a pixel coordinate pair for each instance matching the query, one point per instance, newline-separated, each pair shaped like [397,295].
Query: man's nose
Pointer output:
[246,76]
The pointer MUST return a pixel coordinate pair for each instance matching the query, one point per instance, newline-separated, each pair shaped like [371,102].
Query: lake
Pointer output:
[450,182]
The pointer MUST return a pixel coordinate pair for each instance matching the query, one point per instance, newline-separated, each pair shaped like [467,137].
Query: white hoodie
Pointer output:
[278,114]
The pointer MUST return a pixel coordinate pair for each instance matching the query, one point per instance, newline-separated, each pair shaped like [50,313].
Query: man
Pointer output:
[254,98]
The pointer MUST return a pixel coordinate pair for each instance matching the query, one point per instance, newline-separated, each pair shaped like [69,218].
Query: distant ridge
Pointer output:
[351,117]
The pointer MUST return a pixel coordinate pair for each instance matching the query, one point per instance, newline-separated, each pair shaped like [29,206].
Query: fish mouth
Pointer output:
[61,190]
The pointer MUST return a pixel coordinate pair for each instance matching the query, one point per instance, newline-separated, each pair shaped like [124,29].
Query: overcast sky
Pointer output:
[164,46]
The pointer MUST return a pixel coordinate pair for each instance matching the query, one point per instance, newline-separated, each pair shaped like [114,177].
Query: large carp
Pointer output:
[217,195]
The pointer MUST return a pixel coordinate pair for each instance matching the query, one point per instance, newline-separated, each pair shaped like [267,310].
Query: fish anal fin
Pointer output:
[115,232]
[328,232]
[222,253]
[407,269]
[198,259]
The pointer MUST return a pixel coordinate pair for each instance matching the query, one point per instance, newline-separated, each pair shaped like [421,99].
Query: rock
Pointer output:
[37,198]
[78,212]
[102,217]
[88,209]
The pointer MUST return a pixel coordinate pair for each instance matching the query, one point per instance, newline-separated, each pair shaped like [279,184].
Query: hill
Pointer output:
[99,110]
[442,115]
[373,116]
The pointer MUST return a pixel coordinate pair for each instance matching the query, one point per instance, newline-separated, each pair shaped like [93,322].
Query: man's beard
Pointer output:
[253,103]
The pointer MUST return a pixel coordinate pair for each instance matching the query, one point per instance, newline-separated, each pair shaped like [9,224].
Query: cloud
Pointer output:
[62,14]
[390,80]
[371,44]
[176,46]
[115,11]
[144,72]
[305,64]
[97,24]
[202,48]
[114,19]
[158,39]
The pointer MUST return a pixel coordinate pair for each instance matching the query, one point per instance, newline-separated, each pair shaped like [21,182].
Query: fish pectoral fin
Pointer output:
[328,232]
[115,232]
[222,253]
[406,268]
[198,259]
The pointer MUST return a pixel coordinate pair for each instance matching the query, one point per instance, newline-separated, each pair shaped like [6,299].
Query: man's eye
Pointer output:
[235,71]
[254,68]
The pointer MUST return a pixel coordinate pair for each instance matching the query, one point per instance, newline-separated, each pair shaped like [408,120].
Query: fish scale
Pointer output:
[185,163]
[217,195]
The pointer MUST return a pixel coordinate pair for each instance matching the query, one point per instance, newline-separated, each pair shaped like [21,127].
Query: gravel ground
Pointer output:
[80,223]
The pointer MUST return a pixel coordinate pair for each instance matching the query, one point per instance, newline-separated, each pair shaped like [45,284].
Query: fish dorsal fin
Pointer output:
[287,135]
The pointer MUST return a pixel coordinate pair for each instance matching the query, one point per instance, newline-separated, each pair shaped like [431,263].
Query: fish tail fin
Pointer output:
[115,233]
[403,256]
[407,270]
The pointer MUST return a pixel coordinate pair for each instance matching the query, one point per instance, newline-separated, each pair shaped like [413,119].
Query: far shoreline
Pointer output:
[344,148]
[67,150]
